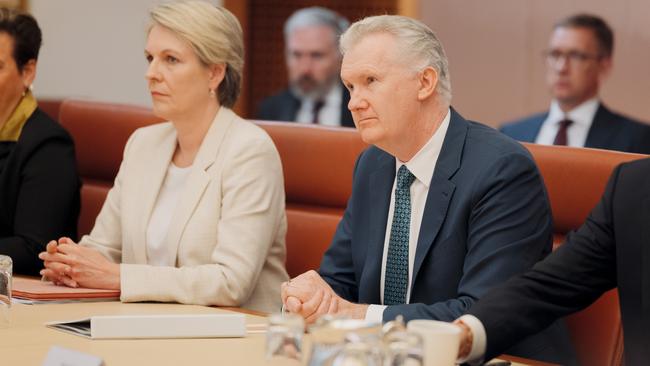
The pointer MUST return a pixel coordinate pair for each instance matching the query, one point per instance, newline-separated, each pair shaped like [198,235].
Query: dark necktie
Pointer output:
[318,105]
[561,137]
[397,260]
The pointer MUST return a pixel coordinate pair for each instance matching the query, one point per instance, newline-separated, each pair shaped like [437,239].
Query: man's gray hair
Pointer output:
[316,16]
[417,43]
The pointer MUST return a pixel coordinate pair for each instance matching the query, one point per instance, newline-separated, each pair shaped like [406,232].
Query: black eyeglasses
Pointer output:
[573,57]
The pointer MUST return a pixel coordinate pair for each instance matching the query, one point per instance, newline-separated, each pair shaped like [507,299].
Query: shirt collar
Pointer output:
[582,114]
[420,165]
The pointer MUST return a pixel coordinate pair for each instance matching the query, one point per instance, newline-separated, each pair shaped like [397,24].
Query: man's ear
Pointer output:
[216,73]
[605,65]
[428,80]
[28,73]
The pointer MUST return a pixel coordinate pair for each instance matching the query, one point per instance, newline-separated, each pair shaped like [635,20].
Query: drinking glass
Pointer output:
[403,349]
[359,350]
[6,266]
[284,337]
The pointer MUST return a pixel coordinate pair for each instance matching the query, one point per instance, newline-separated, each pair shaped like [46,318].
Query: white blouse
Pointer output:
[170,192]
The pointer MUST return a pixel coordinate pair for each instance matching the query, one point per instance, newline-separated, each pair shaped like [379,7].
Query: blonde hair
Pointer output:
[418,44]
[215,35]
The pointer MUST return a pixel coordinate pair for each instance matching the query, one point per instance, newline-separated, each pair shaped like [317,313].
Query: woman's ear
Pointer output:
[28,74]
[216,73]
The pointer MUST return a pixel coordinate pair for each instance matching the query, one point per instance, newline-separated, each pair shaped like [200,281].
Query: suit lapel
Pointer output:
[536,126]
[379,186]
[602,130]
[198,179]
[441,189]
[291,107]
[158,160]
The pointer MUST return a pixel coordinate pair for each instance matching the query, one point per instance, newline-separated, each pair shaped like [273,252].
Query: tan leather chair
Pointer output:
[100,131]
[318,163]
[575,179]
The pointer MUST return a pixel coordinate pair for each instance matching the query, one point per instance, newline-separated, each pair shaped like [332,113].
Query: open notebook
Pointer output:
[35,290]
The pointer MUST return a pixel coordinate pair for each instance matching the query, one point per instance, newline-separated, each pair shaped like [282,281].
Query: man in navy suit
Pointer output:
[442,209]
[609,250]
[315,93]
[578,60]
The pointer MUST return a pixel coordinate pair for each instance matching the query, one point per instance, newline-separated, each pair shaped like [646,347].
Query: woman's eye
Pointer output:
[149,58]
[370,79]
[172,59]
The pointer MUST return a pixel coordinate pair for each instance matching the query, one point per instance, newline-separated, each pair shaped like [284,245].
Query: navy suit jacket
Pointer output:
[612,248]
[486,218]
[284,106]
[609,130]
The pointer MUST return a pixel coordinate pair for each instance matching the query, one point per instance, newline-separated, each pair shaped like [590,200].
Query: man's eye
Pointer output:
[577,56]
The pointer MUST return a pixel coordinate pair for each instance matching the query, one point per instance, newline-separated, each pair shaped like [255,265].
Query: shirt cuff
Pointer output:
[479,340]
[375,313]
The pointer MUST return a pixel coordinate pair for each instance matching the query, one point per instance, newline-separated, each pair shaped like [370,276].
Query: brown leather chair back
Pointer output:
[51,107]
[318,163]
[100,131]
[575,179]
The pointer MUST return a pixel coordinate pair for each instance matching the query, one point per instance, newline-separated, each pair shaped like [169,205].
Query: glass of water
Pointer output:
[6,267]
[403,349]
[284,337]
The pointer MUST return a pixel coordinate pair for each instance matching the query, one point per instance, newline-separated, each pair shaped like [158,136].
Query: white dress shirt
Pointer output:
[422,166]
[330,113]
[479,340]
[161,216]
[582,117]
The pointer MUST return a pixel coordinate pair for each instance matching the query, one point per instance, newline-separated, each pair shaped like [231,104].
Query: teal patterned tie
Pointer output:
[397,260]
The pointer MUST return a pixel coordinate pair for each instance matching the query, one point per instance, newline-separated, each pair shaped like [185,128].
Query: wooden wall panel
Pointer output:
[495,48]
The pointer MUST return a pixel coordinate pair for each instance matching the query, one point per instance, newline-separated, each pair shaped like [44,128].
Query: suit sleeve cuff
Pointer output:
[479,340]
[375,313]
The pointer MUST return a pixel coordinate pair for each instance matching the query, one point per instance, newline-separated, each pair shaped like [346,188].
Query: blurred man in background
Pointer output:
[315,93]
[578,60]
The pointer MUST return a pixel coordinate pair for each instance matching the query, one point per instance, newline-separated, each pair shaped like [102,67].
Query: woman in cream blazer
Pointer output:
[196,214]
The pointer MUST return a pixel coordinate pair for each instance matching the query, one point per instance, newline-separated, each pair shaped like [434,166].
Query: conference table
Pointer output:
[26,340]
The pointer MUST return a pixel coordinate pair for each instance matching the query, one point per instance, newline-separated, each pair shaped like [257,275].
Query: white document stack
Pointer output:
[155,326]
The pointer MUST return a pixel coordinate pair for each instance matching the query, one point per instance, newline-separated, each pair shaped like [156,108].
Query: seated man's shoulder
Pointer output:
[523,124]
[627,121]
[271,107]
[486,147]
[486,141]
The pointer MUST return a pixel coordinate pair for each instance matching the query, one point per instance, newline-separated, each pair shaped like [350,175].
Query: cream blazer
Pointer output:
[227,233]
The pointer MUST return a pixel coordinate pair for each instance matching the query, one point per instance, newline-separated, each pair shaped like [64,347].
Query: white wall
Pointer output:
[93,49]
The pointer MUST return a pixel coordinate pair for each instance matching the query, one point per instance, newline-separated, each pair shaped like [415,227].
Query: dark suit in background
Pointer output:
[39,191]
[284,106]
[486,218]
[609,131]
[612,248]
